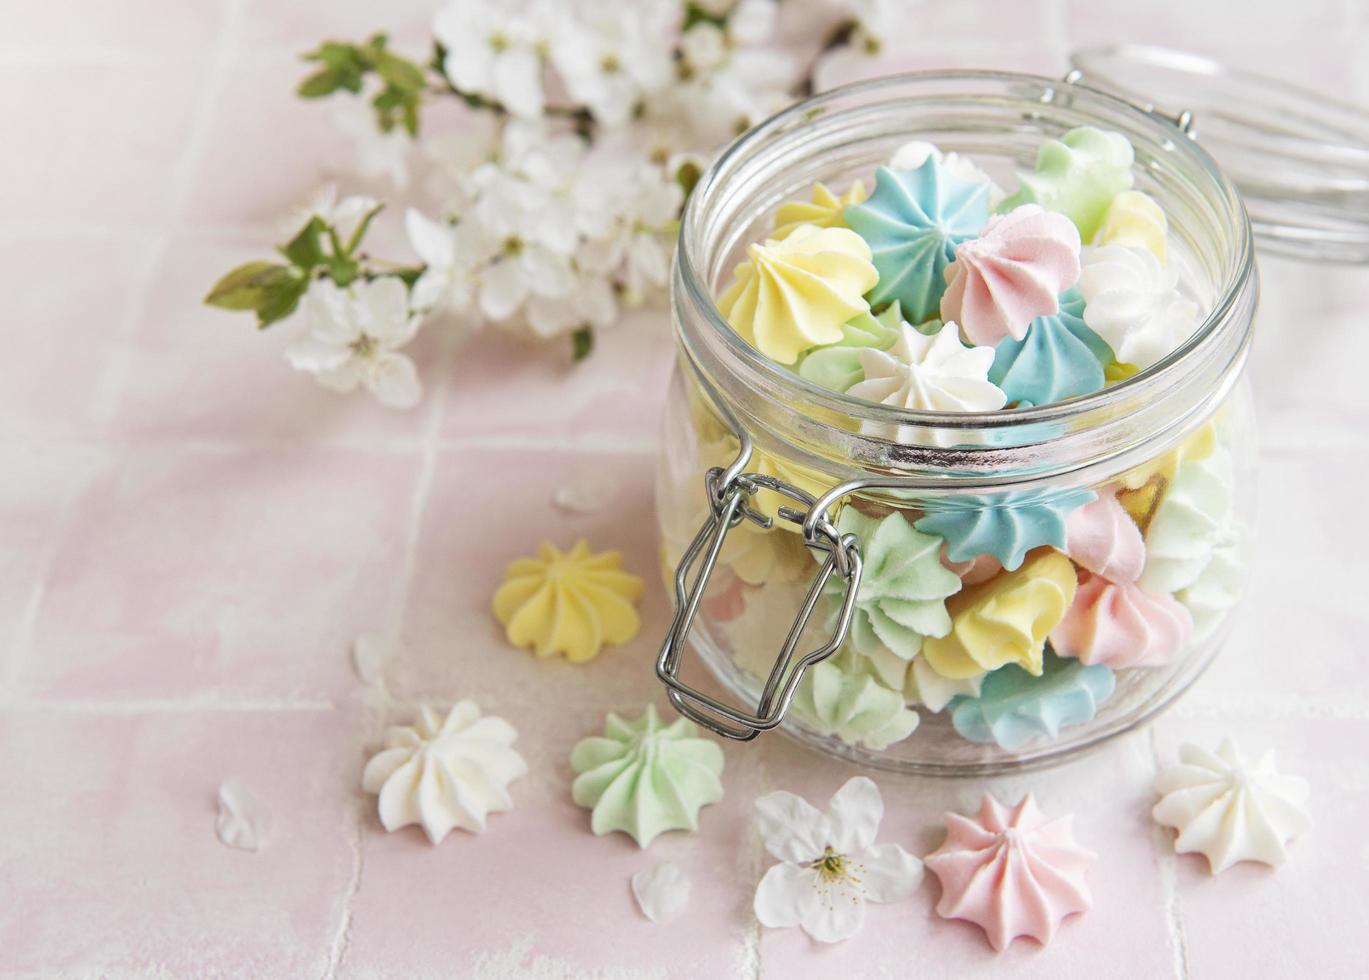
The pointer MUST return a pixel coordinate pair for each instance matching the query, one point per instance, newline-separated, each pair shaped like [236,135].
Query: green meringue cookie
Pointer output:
[903,587]
[644,777]
[837,366]
[1078,175]
[840,697]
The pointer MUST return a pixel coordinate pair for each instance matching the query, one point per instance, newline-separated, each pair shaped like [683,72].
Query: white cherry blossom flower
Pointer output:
[614,58]
[353,337]
[588,302]
[343,214]
[635,247]
[495,49]
[522,270]
[752,21]
[453,254]
[830,865]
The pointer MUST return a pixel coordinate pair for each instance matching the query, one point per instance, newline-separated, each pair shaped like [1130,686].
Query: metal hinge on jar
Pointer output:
[729,493]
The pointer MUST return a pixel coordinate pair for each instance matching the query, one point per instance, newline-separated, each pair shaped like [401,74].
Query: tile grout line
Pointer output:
[1167,863]
[374,713]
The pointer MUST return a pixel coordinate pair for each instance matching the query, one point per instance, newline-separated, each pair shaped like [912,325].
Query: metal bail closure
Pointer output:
[729,499]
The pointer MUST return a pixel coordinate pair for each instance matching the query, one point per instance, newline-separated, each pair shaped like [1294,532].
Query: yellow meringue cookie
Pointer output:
[1004,620]
[569,602]
[826,210]
[1119,371]
[1133,218]
[796,294]
[1197,446]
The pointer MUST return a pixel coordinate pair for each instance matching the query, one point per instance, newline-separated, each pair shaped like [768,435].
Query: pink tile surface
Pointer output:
[191,536]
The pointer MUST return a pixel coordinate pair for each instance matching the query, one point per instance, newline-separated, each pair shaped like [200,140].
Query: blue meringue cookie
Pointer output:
[912,223]
[1005,525]
[1014,708]
[1059,358]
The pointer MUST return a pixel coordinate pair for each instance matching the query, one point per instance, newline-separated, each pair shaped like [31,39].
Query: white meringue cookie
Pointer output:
[930,374]
[1134,304]
[445,772]
[1231,809]
[1194,517]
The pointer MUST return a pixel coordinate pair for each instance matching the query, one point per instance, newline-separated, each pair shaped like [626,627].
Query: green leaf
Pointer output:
[697,14]
[306,248]
[245,288]
[399,73]
[344,67]
[582,342]
[342,270]
[281,300]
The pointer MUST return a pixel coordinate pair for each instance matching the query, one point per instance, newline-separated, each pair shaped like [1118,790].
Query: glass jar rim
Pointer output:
[1219,314]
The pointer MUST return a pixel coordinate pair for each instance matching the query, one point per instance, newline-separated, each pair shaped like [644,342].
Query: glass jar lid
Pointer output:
[1300,159]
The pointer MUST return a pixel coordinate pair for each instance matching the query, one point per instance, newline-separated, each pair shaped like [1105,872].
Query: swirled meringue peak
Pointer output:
[1133,218]
[1219,586]
[839,697]
[793,294]
[1012,872]
[1004,620]
[826,209]
[644,777]
[927,374]
[838,366]
[903,587]
[1005,525]
[1101,537]
[1229,808]
[445,771]
[1011,274]
[1014,708]
[1122,625]
[1078,175]
[913,221]
[1059,358]
[1134,303]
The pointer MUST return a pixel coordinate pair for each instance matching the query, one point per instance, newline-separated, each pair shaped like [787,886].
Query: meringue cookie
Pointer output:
[1133,218]
[1193,516]
[794,294]
[1011,274]
[445,771]
[1230,809]
[913,222]
[1220,585]
[1122,625]
[1134,303]
[924,686]
[1014,709]
[645,778]
[826,210]
[928,374]
[837,697]
[1101,537]
[903,586]
[570,602]
[1078,175]
[914,154]
[837,366]
[1006,525]
[1059,358]
[1005,620]
[1011,872]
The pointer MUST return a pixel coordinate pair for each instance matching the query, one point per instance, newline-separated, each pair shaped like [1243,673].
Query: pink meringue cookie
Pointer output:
[1122,625]
[1011,872]
[1011,274]
[1102,538]
[978,569]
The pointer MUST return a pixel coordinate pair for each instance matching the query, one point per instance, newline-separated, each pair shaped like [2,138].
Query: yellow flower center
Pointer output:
[364,346]
[833,867]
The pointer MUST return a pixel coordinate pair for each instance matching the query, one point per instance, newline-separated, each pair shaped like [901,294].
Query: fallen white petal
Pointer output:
[662,892]
[243,820]
[370,653]
[588,493]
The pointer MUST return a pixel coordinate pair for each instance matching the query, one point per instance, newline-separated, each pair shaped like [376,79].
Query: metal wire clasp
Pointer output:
[729,494]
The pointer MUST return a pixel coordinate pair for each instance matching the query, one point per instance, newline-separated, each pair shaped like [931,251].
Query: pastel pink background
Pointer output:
[191,536]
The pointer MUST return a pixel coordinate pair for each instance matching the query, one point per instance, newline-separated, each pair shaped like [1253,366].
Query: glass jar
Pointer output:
[771,489]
